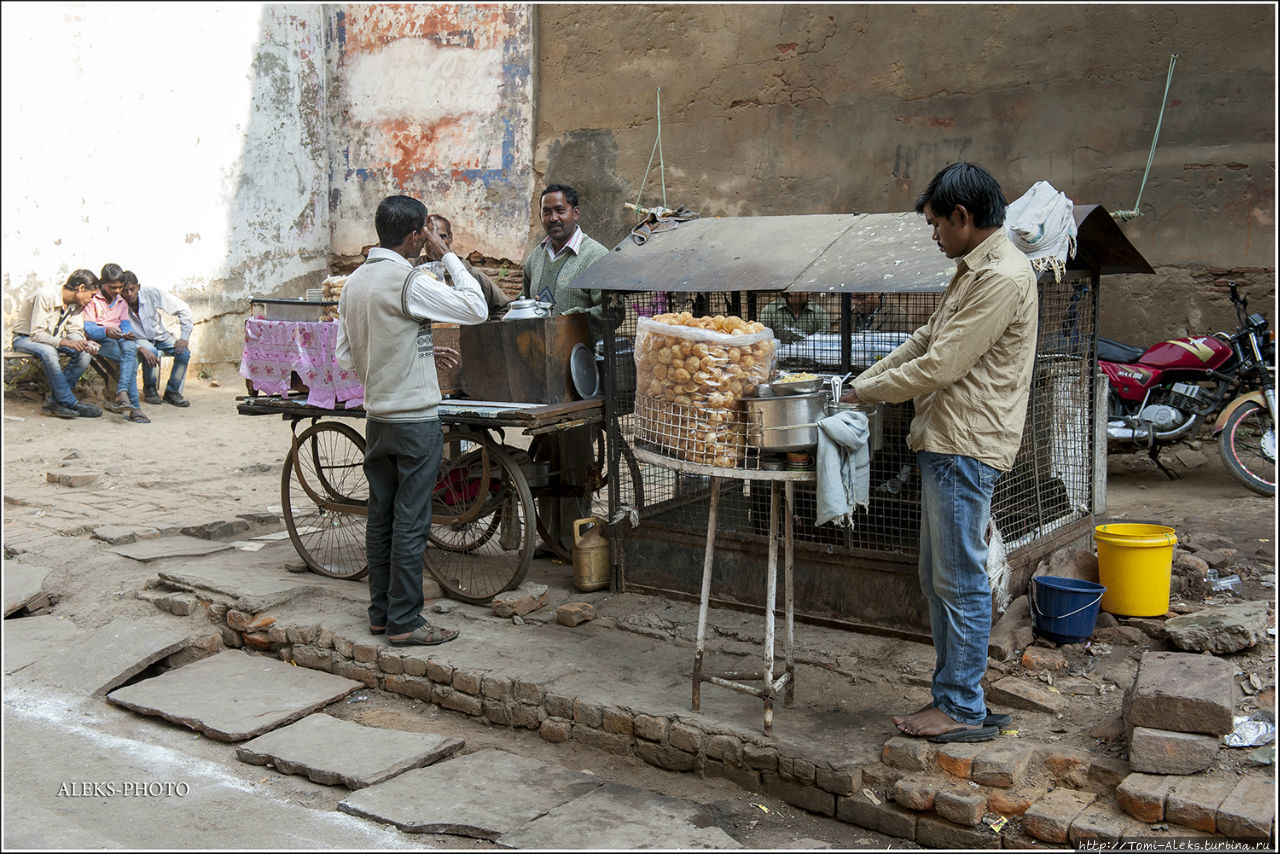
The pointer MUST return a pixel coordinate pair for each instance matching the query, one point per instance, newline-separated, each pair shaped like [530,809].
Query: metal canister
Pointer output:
[875,420]
[590,555]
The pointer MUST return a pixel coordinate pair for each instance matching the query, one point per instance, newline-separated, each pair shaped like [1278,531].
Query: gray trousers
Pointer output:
[401,463]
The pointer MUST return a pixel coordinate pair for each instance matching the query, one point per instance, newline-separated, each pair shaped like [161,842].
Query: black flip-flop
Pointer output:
[381,631]
[997,719]
[966,735]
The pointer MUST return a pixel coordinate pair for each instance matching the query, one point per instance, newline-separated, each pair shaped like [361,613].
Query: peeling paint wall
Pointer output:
[800,109]
[180,141]
[434,101]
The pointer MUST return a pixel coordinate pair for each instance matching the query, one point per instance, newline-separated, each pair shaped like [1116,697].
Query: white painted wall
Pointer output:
[182,141]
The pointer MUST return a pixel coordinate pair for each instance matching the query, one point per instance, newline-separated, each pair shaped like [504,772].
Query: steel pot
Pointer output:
[875,420]
[787,423]
[524,309]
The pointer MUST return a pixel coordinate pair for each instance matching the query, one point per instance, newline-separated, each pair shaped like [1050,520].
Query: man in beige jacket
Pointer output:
[968,369]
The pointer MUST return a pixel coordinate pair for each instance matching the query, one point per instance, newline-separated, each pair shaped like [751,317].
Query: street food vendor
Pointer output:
[555,262]
[968,369]
[564,253]
[794,316]
[384,334]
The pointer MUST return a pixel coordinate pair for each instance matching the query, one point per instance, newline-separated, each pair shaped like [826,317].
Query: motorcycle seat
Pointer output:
[1114,351]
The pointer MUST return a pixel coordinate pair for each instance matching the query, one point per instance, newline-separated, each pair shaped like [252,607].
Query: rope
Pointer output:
[662,171]
[1135,211]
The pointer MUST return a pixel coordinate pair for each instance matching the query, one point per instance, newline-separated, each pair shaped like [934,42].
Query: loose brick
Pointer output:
[804,771]
[1016,801]
[575,613]
[959,806]
[529,692]
[616,743]
[1021,694]
[555,730]
[1182,692]
[231,638]
[880,777]
[302,634]
[799,795]
[915,792]
[342,646]
[439,673]
[957,758]
[363,673]
[588,713]
[885,817]
[1194,803]
[654,729]
[182,605]
[1050,818]
[1106,773]
[1004,764]
[325,641]
[617,721]
[844,780]
[1249,810]
[1038,658]
[559,707]
[686,738]
[935,832]
[588,735]
[313,658]
[909,754]
[495,687]
[390,661]
[527,716]
[1102,822]
[408,686]
[413,665]
[760,758]
[239,620]
[467,681]
[257,640]
[740,777]
[726,748]
[1158,751]
[1143,795]
[1069,768]
[496,711]
[449,698]
[276,634]
[665,757]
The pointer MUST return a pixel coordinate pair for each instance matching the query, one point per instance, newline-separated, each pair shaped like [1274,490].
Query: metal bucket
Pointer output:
[875,420]
[787,423]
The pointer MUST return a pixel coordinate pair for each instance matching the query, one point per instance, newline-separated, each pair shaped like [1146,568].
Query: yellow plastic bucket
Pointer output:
[1135,563]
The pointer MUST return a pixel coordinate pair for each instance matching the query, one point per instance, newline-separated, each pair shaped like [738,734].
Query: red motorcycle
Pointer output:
[1166,392]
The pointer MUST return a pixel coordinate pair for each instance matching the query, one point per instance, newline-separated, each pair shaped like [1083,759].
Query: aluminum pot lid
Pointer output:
[582,368]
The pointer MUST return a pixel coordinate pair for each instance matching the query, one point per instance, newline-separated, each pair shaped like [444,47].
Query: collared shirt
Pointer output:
[49,320]
[573,244]
[969,367]
[787,327]
[428,297]
[100,316]
[148,323]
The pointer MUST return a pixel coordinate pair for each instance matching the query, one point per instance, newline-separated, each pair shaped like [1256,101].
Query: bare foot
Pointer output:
[899,720]
[930,722]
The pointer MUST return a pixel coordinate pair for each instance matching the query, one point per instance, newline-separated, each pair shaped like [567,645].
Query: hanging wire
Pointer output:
[641,213]
[1136,211]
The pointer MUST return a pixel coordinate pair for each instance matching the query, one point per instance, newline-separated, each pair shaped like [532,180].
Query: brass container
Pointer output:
[590,555]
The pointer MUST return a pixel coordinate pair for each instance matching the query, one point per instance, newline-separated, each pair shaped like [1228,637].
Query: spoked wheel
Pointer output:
[630,486]
[325,499]
[482,523]
[1248,447]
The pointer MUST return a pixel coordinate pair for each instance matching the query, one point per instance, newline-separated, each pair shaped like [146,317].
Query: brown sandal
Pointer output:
[136,416]
[426,635]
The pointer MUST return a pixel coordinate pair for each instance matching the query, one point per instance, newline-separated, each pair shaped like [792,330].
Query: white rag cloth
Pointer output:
[1040,223]
[843,477]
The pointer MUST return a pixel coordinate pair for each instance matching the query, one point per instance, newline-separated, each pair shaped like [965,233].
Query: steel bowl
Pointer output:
[797,387]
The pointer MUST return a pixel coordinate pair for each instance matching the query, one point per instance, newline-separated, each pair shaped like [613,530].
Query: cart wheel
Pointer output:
[477,554]
[324,473]
[630,484]
[630,491]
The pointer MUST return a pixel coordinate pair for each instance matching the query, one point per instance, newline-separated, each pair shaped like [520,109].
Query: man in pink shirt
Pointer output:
[106,320]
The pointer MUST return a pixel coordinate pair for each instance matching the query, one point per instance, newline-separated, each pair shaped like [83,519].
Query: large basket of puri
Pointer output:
[332,292]
[691,376]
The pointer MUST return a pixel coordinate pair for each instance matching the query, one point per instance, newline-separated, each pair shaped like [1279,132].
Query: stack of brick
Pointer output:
[1176,711]
[1238,807]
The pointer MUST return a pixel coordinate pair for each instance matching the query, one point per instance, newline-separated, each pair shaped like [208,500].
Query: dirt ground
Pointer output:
[214,456]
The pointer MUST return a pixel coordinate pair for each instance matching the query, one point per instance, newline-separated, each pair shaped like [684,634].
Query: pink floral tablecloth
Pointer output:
[275,348]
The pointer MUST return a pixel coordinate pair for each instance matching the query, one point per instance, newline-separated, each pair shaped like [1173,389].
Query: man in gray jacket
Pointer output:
[384,334]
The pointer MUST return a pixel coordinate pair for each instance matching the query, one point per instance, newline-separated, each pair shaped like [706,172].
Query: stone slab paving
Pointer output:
[115,654]
[233,696]
[330,751]
[29,639]
[162,547]
[256,580]
[617,817]
[484,795]
[22,583]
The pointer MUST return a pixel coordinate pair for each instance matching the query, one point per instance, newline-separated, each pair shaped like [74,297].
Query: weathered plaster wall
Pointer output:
[797,109]
[182,142]
[434,101]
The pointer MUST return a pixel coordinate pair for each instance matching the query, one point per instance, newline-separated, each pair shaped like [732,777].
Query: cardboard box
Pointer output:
[522,361]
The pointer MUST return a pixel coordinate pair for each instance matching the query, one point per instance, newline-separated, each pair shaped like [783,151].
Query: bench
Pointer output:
[104,368]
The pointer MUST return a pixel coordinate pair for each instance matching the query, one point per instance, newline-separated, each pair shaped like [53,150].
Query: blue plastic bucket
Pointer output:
[1064,610]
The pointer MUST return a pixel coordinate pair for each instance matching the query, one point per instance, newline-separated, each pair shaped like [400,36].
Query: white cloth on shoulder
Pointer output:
[843,476]
[1040,223]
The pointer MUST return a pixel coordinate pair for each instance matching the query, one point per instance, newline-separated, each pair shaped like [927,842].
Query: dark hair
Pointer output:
[441,218]
[80,278]
[129,278]
[968,185]
[570,194]
[396,218]
[111,273]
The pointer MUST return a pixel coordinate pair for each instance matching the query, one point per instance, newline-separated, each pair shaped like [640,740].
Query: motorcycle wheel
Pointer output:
[1248,446]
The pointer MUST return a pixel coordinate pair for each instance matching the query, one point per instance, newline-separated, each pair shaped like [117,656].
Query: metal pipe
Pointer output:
[704,601]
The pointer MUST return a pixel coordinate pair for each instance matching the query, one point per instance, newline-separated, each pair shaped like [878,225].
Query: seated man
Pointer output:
[873,313]
[52,323]
[493,295]
[794,317]
[106,320]
[145,305]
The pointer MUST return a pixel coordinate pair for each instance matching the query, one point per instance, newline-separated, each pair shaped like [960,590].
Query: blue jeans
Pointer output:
[62,381]
[401,462]
[177,375]
[124,353]
[956,498]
